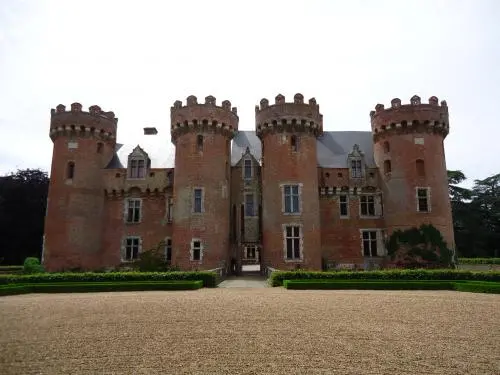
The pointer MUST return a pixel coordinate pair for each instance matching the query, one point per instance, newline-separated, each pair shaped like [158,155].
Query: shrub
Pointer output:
[369,285]
[478,260]
[210,279]
[32,265]
[277,277]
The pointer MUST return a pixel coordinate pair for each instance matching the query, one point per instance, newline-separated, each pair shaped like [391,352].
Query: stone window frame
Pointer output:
[283,198]
[251,168]
[192,248]
[125,245]
[254,201]
[377,206]
[301,242]
[126,210]
[428,198]
[134,164]
[347,206]
[245,253]
[168,246]
[353,174]
[193,202]
[381,250]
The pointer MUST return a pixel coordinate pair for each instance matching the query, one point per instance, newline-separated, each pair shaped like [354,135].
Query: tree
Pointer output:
[23,199]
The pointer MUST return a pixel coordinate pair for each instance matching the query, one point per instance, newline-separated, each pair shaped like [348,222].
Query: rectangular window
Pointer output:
[137,168]
[168,249]
[247,169]
[343,206]
[132,248]
[134,210]
[249,205]
[170,209]
[367,203]
[198,200]
[292,239]
[356,171]
[250,252]
[291,198]
[370,243]
[196,250]
[423,199]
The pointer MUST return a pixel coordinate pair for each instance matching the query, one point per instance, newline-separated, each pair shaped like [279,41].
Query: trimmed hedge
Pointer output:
[464,286]
[277,277]
[10,268]
[210,279]
[85,287]
[478,260]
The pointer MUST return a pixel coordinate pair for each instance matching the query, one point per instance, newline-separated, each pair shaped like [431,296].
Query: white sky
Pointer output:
[137,57]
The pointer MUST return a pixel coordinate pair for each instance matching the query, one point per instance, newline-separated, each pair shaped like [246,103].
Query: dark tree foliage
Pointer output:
[23,200]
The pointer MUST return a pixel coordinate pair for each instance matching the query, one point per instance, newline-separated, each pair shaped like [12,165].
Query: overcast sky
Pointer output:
[137,57]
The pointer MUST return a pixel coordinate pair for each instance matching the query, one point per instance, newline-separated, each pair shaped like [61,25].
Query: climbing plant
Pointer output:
[419,247]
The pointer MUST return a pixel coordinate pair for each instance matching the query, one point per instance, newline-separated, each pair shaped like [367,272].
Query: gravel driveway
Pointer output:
[251,331]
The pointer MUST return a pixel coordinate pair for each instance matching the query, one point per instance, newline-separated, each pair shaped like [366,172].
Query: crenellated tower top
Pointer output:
[75,121]
[206,117]
[288,117]
[407,118]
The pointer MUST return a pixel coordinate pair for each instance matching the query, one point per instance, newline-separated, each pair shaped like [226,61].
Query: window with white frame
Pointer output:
[198,200]
[367,205]
[137,168]
[250,252]
[133,210]
[170,209]
[249,205]
[423,200]
[168,249]
[196,250]
[293,242]
[132,248]
[369,239]
[356,168]
[291,197]
[247,169]
[344,205]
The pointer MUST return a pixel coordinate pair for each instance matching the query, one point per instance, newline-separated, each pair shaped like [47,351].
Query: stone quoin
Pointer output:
[288,195]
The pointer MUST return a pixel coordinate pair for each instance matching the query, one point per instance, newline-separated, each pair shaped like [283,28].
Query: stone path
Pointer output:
[244,282]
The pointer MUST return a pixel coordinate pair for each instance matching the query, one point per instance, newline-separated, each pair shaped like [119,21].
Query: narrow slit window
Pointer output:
[100,147]
[387,166]
[199,142]
[294,143]
[70,171]
[420,168]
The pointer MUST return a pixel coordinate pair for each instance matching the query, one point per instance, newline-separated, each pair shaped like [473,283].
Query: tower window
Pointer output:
[420,168]
[387,166]
[294,143]
[70,170]
[293,236]
[198,200]
[291,199]
[423,200]
[100,147]
[168,250]
[387,147]
[199,142]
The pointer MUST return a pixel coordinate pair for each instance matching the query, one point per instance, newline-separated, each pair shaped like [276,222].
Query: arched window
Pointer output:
[70,170]
[387,166]
[387,147]
[420,167]
[199,142]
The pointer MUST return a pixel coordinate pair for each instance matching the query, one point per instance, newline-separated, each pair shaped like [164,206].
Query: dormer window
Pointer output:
[247,169]
[356,169]
[199,142]
[137,168]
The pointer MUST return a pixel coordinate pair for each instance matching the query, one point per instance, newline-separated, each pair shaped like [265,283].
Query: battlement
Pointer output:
[295,116]
[77,122]
[413,117]
[200,117]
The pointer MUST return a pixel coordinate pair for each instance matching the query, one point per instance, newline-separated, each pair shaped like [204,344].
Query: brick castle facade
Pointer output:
[287,195]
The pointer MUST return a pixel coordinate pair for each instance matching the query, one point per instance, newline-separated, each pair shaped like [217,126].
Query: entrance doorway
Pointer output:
[250,259]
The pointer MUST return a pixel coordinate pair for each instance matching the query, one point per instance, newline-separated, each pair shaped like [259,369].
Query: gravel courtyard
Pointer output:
[251,331]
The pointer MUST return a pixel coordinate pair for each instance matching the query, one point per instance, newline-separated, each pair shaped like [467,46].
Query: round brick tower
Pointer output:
[84,142]
[291,235]
[409,151]
[201,225]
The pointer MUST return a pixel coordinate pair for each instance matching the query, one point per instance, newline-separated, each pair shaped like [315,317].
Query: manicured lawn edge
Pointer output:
[465,286]
[85,287]
[210,279]
[478,260]
[277,277]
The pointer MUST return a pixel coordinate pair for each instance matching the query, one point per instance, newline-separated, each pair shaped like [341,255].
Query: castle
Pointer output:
[287,195]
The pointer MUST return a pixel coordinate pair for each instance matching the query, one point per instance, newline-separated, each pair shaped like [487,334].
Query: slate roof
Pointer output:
[332,149]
